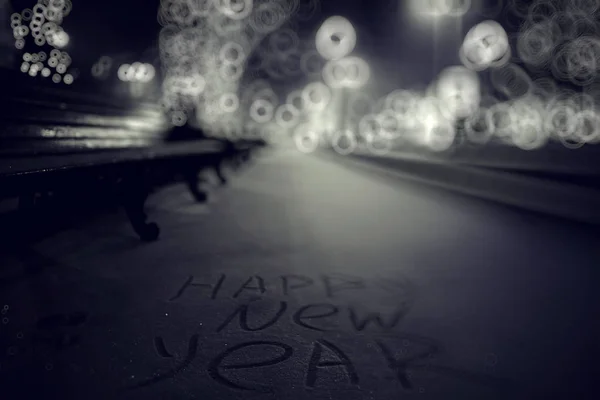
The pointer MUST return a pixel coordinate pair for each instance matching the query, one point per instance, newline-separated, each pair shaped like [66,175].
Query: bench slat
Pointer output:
[44,116]
[58,131]
[11,167]
[42,147]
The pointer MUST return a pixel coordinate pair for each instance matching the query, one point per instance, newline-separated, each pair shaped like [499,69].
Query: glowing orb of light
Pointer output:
[336,38]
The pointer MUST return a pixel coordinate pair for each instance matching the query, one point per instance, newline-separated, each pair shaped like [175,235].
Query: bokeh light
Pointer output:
[336,38]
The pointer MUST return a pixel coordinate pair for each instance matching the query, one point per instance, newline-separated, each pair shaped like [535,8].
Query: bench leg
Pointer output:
[237,162]
[219,172]
[133,202]
[192,182]
[246,156]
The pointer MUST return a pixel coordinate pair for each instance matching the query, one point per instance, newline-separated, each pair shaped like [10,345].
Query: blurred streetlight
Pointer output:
[430,10]
[439,24]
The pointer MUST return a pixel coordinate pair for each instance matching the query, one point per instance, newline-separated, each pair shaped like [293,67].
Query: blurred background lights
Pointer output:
[526,80]
[441,8]
[305,139]
[136,72]
[459,91]
[286,116]
[485,45]
[43,23]
[316,96]
[234,9]
[344,142]
[336,38]
[261,111]
[229,102]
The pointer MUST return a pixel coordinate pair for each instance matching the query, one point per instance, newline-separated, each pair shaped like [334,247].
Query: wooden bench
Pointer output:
[123,161]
